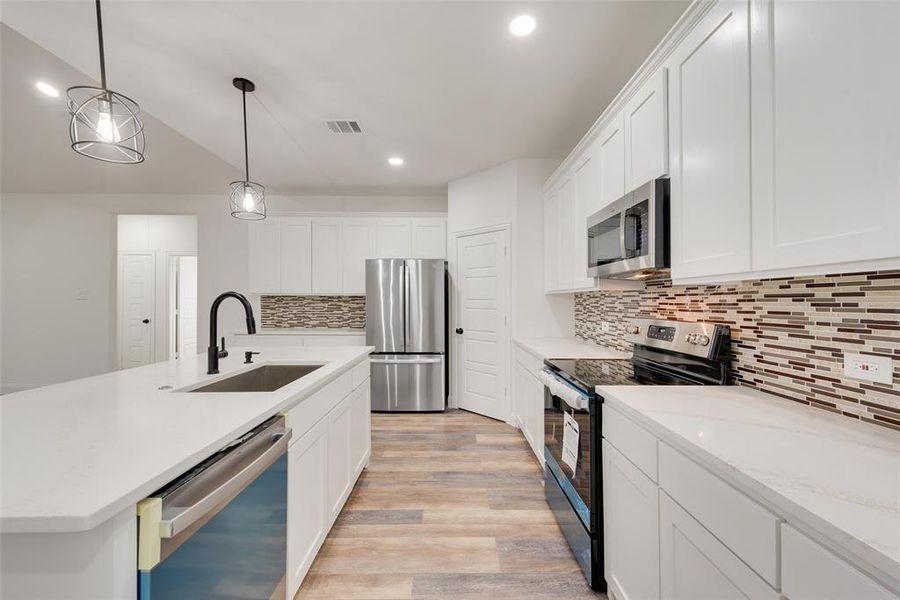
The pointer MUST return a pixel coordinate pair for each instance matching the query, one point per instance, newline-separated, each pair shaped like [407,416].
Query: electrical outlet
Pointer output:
[868,368]
[604,326]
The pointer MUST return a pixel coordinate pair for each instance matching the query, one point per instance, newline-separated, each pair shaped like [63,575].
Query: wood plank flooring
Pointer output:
[451,506]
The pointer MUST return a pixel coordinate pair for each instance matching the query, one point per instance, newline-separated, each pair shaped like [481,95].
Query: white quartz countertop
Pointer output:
[567,348]
[306,331]
[74,454]
[834,476]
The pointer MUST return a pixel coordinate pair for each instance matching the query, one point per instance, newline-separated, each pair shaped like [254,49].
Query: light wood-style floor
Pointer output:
[451,506]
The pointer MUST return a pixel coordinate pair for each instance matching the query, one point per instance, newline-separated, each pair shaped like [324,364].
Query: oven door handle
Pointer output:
[177,519]
[565,392]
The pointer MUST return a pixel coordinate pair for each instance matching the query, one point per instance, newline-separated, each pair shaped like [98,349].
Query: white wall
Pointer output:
[58,248]
[164,235]
[511,194]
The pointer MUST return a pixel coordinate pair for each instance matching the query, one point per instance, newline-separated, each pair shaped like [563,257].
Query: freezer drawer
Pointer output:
[407,382]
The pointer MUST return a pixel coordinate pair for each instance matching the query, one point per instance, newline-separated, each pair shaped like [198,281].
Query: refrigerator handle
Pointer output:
[405,306]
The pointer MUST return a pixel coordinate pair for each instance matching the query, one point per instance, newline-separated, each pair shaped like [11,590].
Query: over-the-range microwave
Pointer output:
[629,239]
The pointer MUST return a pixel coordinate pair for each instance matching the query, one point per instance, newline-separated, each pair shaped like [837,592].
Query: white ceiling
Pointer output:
[442,84]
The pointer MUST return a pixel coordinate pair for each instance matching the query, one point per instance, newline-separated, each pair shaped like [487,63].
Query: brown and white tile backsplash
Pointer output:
[789,335]
[313,311]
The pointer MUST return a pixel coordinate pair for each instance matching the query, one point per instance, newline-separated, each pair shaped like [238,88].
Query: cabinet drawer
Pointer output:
[811,572]
[636,443]
[359,374]
[531,362]
[748,529]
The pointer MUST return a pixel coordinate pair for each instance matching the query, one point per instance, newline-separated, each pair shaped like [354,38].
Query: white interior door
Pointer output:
[187,306]
[136,329]
[482,280]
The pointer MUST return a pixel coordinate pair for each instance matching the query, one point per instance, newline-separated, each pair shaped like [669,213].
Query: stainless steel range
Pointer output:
[665,353]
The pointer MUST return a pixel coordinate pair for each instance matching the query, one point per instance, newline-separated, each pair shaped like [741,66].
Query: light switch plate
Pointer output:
[604,326]
[867,367]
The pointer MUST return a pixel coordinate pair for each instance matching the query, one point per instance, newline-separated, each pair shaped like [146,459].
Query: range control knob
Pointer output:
[691,338]
[703,340]
[634,330]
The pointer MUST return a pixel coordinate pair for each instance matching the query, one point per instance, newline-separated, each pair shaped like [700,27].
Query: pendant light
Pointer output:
[105,124]
[248,198]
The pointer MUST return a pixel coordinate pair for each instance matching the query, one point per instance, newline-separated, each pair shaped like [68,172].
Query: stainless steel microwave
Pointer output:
[629,239]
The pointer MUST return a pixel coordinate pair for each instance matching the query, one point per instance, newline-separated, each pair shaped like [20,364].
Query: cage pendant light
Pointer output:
[105,125]
[248,198]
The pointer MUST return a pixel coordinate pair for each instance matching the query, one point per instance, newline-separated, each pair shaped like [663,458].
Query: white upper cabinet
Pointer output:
[429,238]
[358,245]
[551,242]
[393,238]
[326,248]
[611,160]
[565,219]
[709,77]
[826,132]
[296,261]
[264,257]
[646,132]
[585,179]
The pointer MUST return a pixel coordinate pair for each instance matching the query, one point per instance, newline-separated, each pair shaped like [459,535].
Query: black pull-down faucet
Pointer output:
[212,352]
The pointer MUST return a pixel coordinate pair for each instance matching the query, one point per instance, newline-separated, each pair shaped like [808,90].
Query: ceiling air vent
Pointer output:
[344,126]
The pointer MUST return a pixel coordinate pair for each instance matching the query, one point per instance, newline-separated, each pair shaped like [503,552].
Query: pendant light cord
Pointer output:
[246,152]
[100,40]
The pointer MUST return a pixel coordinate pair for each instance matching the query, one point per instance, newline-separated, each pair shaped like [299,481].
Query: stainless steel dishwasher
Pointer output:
[219,530]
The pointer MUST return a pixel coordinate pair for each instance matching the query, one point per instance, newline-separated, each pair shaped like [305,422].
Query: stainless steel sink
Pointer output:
[265,378]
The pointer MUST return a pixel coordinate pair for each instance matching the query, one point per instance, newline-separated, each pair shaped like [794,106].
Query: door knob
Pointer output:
[459,330]
[145,321]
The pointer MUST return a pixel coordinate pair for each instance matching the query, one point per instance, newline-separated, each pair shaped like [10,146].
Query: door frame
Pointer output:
[505,343]
[120,306]
[171,274]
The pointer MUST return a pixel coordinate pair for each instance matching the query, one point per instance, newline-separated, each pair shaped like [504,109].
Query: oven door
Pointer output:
[569,456]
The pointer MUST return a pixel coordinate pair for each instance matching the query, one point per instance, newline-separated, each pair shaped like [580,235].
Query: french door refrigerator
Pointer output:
[406,321]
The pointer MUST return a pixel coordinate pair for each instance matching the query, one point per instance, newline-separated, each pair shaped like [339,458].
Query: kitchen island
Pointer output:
[76,457]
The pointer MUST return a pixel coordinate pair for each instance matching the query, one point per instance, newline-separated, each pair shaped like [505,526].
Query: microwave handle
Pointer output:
[629,233]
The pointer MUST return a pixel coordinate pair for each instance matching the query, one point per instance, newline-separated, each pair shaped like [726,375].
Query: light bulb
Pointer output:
[249,202]
[106,126]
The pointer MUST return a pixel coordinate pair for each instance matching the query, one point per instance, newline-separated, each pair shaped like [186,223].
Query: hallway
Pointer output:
[451,506]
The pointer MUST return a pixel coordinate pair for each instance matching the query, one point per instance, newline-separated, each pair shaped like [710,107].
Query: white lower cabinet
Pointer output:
[694,565]
[811,572]
[307,501]
[529,402]
[631,528]
[323,466]
[694,536]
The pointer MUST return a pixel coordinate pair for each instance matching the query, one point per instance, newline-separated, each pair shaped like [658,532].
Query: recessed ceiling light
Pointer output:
[522,25]
[395,161]
[47,89]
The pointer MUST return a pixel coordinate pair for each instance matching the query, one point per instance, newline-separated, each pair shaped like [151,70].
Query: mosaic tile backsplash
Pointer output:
[788,335]
[313,311]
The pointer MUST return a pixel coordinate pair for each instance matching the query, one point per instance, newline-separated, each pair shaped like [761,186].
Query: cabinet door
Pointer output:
[535,401]
[586,177]
[611,160]
[826,133]
[358,240]
[326,256]
[695,565]
[393,238]
[565,218]
[631,528]
[296,256]
[709,78]
[429,238]
[307,512]
[339,478]
[646,132]
[264,257]
[360,429]
[523,391]
[551,242]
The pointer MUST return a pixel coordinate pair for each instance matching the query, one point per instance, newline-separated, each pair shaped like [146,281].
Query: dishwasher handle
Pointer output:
[223,480]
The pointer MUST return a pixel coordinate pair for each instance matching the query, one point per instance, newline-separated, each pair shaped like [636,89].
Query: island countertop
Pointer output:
[74,454]
[835,476]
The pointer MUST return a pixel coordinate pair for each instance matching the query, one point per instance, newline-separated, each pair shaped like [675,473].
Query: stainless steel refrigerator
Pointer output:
[406,321]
